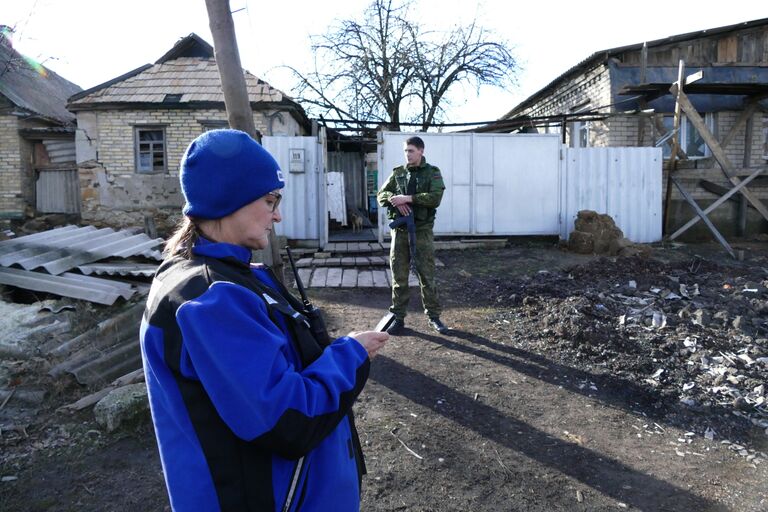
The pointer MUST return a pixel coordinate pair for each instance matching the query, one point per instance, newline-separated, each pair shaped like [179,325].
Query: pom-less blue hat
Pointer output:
[224,170]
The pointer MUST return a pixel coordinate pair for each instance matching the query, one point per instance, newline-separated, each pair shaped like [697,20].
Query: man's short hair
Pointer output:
[415,141]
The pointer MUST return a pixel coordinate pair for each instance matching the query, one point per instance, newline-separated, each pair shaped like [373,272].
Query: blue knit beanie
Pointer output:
[224,170]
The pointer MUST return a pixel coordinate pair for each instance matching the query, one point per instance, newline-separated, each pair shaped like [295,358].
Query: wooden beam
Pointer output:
[716,149]
[745,114]
[714,205]
[741,226]
[675,145]
[703,216]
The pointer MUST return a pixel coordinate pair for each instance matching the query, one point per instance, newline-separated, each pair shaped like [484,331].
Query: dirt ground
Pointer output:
[567,383]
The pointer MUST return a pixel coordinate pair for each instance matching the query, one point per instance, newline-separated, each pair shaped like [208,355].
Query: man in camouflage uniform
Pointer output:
[418,187]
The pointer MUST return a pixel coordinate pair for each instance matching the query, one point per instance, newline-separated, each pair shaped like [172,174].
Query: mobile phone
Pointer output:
[385,322]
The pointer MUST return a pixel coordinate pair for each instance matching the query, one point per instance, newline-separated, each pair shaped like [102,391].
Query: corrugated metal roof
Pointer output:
[119,269]
[61,249]
[93,289]
[107,351]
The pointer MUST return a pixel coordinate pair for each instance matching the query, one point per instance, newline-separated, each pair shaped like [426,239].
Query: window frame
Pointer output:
[137,148]
[683,132]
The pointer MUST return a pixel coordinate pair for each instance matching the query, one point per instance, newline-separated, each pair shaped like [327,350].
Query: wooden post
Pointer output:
[236,100]
[741,226]
[675,145]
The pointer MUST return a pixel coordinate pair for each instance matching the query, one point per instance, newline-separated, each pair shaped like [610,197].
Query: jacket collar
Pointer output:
[421,165]
[221,250]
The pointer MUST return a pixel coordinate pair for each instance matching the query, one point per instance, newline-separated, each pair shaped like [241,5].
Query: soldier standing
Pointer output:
[416,188]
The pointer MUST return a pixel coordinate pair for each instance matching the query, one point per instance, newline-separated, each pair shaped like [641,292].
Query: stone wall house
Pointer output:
[37,134]
[133,130]
[620,97]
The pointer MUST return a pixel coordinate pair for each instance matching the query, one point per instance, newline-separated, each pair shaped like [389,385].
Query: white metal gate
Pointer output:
[530,184]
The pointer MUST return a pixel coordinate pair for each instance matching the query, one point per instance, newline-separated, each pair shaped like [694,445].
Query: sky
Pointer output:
[89,42]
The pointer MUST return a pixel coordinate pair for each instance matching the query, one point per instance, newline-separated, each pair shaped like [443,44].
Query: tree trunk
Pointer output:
[236,101]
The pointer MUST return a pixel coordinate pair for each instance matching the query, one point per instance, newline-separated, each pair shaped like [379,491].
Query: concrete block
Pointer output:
[122,405]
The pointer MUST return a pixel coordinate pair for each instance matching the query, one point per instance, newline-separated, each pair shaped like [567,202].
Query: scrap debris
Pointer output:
[690,332]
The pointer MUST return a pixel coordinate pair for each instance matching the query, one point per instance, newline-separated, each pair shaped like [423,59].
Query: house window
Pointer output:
[213,124]
[689,138]
[580,134]
[150,149]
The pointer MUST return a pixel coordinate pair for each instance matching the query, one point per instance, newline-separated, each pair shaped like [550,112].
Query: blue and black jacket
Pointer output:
[250,412]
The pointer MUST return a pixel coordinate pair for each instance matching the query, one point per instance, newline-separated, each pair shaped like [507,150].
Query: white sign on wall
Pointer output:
[297,160]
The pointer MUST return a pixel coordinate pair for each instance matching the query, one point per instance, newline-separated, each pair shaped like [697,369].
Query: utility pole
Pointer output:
[236,101]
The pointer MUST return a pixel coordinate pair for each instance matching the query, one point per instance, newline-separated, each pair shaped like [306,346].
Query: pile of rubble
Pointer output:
[597,233]
[691,332]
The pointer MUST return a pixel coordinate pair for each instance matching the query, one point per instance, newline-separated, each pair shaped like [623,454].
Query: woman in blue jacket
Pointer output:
[250,411]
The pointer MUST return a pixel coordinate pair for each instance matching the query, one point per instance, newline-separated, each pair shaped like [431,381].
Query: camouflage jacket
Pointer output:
[429,191]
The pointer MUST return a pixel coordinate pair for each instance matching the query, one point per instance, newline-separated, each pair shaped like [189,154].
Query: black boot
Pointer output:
[437,325]
[397,326]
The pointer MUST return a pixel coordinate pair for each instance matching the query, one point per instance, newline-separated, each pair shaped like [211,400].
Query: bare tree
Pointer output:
[387,68]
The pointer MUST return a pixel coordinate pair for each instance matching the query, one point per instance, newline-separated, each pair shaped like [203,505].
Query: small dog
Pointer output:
[357,221]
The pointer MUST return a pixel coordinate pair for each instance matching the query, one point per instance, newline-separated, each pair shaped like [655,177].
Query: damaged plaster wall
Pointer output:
[113,193]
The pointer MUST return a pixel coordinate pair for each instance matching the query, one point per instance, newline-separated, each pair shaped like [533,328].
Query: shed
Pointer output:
[37,136]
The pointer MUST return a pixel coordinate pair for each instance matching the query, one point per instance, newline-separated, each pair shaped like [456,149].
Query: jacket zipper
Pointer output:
[294,483]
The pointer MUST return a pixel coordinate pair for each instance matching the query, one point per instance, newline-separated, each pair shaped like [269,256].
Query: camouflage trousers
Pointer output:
[399,260]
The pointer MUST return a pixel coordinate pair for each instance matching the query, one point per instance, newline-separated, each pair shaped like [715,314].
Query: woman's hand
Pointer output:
[371,341]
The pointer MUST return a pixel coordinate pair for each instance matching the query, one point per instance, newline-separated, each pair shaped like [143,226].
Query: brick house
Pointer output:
[37,137]
[620,97]
[133,130]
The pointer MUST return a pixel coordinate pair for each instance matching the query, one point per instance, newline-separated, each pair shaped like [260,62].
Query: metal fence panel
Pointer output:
[625,183]
[300,205]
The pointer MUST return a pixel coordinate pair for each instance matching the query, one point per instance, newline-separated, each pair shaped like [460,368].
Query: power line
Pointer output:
[592,114]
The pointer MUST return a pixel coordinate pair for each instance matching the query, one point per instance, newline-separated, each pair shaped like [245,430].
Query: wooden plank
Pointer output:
[304,262]
[348,261]
[319,277]
[334,277]
[714,205]
[379,260]
[717,151]
[388,273]
[741,223]
[412,279]
[333,262]
[304,275]
[745,114]
[362,261]
[349,278]
[675,145]
[364,279]
[704,217]
[380,279]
